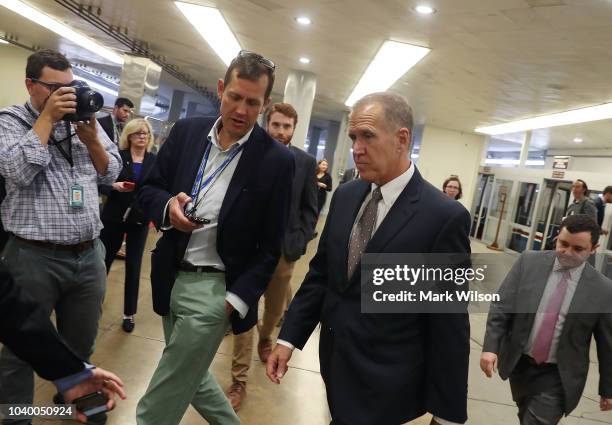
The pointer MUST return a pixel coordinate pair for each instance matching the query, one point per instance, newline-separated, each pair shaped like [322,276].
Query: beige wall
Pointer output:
[12,75]
[445,152]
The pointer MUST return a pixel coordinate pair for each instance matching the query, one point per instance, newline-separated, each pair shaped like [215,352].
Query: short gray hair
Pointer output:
[396,111]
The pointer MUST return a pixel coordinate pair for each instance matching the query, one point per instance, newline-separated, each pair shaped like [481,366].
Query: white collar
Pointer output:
[213,136]
[391,190]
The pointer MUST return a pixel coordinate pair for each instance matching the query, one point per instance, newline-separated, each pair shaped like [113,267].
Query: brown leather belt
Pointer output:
[188,267]
[76,248]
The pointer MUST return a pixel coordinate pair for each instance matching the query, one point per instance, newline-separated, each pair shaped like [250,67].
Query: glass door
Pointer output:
[523,216]
[481,203]
[551,211]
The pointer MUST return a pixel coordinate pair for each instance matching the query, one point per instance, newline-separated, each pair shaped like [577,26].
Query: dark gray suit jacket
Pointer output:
[303,210]
[107,125]
[510,321]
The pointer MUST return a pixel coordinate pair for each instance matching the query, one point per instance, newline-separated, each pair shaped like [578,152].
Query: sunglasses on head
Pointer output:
[259,58]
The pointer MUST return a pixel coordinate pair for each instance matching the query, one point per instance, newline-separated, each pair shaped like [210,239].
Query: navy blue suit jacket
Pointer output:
[252,219]
[385,368]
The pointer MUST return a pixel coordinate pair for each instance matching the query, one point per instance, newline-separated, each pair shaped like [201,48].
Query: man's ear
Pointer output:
[594,248]
[404,138]
[220,88]
[29,85]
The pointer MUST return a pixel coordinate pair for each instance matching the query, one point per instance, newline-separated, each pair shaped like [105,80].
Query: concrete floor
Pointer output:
[300,399]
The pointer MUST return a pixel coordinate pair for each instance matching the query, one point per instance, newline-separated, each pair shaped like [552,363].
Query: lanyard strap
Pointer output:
[57,143]
[199,185]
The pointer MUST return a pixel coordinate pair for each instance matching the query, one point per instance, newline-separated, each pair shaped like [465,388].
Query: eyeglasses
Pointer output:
[259,58]
[51,86]
[141,134]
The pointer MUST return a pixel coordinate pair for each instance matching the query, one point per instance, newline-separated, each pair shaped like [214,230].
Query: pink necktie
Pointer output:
[544,337]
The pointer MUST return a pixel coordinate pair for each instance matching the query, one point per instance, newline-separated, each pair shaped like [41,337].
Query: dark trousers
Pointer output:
[136,238]
[72,285]
[538,392]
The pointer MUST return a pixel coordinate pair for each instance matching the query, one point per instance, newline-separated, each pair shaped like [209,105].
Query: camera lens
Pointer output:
[88,102]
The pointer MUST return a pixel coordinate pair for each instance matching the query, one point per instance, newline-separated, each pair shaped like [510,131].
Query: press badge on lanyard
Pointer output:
[76,196]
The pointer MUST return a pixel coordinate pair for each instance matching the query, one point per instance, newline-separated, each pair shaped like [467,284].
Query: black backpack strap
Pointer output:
[18,118]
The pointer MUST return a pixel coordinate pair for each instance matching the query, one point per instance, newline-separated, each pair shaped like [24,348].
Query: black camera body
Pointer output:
[88,102]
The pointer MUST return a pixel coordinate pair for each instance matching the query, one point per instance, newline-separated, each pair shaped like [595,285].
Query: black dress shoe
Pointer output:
[128,324]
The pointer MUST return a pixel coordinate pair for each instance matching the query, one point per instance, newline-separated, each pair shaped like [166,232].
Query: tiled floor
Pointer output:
[300,400]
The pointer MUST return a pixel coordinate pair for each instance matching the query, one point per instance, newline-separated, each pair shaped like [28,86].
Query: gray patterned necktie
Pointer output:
[362,232]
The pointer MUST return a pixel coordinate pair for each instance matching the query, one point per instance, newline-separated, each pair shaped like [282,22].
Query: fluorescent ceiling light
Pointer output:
[3,41]
[506,161]
[98,86]
[576,116]
[213,28]
[425,10]
[392,61]
[578,140]
[303,20]
[304,60]
[62,30]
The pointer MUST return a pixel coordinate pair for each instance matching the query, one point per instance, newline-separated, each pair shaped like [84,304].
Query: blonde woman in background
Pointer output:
[121,214]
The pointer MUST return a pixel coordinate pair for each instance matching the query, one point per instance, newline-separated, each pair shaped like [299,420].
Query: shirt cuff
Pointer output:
[67,382]
[166,225]
[239,305]
[444,421]
[285,343]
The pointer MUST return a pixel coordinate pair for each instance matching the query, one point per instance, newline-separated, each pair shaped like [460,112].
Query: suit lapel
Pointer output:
[196,159]
[399,215]
[582,299]
[537,283]
[251,154]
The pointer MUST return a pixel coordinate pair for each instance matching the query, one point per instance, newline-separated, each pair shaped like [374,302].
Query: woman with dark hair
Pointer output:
[324,182]
[452,187]
[121,214]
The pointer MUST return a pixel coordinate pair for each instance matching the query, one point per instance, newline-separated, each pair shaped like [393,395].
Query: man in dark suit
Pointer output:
[551,304]
[349,175]
[28,332]
[223,203]
[282,119]
[381,368]
[114,122]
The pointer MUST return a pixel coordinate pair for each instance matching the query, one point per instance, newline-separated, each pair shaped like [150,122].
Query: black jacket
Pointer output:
[303,211]
[252,219]
[385,369]
[118,202]
[107,125]
[27,331]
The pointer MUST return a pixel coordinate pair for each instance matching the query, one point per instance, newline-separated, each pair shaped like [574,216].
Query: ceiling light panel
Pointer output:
[62,30]
[392,61]
[213,28]
[576,116]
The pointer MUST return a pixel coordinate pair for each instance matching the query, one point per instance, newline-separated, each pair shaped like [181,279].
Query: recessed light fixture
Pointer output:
[303,20]
[424,9]
[213,28]
[576,116]
[62,30]
[392,61]
[578,140]
[304,60]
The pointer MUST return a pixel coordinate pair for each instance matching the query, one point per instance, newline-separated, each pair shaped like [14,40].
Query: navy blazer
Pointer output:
[385,368]
[252,219]
[119,202]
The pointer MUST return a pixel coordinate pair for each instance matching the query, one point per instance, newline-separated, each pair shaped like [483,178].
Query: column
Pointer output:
[300,90]
[333,131]
[140,82]
[315,136]
[525,150]
[342,150]
[176,105]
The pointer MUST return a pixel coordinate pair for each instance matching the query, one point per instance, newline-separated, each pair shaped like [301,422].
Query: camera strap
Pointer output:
[54,142]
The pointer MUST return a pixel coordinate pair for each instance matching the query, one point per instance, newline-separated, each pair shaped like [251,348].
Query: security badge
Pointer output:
[76,196]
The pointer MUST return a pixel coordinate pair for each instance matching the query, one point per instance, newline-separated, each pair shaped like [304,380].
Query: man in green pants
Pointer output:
[220,190]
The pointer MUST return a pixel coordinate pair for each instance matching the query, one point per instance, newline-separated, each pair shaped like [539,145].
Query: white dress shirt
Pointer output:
[553,280]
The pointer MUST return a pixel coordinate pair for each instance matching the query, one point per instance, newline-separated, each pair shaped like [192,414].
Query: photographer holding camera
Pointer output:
[51,208]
